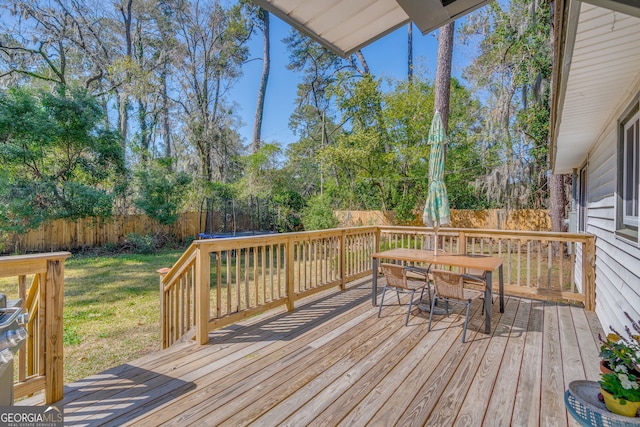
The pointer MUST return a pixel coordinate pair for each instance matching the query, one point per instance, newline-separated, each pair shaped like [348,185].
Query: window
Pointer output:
[628,200]
[582,200]
[630,174]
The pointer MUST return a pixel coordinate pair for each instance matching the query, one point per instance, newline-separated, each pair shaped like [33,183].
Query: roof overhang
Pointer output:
[597,60]
[344,26]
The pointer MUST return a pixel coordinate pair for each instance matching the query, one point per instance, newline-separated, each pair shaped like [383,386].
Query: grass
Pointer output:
[111,313]
[111,309]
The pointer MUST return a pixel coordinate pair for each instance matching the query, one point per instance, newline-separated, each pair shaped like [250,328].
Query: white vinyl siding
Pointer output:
[617,256]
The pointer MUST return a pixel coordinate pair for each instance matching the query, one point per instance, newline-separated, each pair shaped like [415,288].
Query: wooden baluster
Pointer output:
[529,263]
[561,269]
[228,280]
[256,283]
[291,295]
[549,260]
[572,277]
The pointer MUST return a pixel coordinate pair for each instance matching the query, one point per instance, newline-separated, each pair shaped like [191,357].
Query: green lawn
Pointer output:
[111,313]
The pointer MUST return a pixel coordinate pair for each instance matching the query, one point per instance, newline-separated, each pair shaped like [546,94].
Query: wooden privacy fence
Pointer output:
[221,281]
[491,219]
[40,360]
[91,232]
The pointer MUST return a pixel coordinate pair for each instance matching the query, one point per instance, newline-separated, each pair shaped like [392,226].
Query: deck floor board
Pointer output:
[334,362]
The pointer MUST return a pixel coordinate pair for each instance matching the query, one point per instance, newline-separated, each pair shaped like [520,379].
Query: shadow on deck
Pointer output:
[333,361]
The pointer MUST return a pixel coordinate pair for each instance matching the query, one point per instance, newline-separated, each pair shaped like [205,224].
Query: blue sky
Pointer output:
[387,58]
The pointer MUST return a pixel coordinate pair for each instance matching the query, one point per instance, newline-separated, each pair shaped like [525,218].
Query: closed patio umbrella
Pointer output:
[436,210]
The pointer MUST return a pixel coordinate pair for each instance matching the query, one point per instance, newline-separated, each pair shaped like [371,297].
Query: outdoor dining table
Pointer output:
[473,261]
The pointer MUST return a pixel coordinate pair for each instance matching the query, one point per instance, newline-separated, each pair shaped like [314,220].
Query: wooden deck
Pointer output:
[334,362]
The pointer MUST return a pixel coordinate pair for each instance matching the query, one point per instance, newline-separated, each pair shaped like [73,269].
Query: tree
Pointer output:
[443,71]
[55,159]
[162,191]
[410,51]
[213,42]
[512,69]
[263,15]
[259,22]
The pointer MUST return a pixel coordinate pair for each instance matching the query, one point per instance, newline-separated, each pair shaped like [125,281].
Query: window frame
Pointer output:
[582,200]
[627,225]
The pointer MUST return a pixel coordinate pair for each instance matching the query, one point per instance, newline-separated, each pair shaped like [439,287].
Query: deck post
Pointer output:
[163,309]
[589,273]
[289,275]
[54,303]
[203,269]
[462,242]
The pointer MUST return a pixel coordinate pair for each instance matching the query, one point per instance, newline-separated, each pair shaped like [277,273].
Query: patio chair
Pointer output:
[449,286]
[475,278]
[396,277]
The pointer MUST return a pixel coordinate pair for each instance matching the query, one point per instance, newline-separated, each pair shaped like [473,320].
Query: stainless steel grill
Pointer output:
[12,336]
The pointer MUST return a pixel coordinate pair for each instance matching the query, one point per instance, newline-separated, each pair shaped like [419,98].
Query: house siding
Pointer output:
[617,259]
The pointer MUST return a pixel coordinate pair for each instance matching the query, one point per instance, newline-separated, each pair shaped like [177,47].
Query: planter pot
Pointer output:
[629,409]
[604,367]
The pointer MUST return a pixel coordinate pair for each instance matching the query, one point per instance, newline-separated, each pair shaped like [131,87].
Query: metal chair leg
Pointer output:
[433,305]
[466,320]
[382,300]
[406,322]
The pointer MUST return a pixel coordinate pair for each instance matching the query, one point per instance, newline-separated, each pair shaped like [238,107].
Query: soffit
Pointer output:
[605,63]
[344,26]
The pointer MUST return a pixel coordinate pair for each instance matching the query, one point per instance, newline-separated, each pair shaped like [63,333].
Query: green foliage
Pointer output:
[513,69]
[287,205]
[162,191]
[262,172]
[318,215]
[56,161]
[140,243]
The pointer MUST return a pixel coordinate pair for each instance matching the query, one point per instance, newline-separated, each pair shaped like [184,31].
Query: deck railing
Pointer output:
[39,364]
[221,281]
[537,264]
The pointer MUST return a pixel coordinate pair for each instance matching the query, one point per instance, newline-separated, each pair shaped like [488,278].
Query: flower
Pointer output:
[622,386]
[623,356]
[620,351]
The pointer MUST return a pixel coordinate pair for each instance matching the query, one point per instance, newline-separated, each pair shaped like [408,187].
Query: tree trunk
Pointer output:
[363,62]
[557,202]
[124,97]
[410,51]
[443,72]
[123,117]
[166,127]
[266,65]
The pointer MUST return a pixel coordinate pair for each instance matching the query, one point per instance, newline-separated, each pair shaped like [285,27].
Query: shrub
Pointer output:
[318,215]
[140,243]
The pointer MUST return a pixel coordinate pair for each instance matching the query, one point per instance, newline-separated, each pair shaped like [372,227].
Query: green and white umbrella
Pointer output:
[436,210]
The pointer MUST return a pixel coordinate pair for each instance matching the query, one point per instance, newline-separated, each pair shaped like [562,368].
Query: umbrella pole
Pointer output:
[435,241]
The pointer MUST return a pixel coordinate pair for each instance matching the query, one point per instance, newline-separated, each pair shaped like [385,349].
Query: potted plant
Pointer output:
[619,385]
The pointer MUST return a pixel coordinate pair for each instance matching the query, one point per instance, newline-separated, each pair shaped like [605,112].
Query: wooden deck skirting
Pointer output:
[334,362]
[219,282]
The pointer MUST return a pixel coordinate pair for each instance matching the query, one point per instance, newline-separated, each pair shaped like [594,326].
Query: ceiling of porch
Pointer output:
[344,26]
[601,63]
